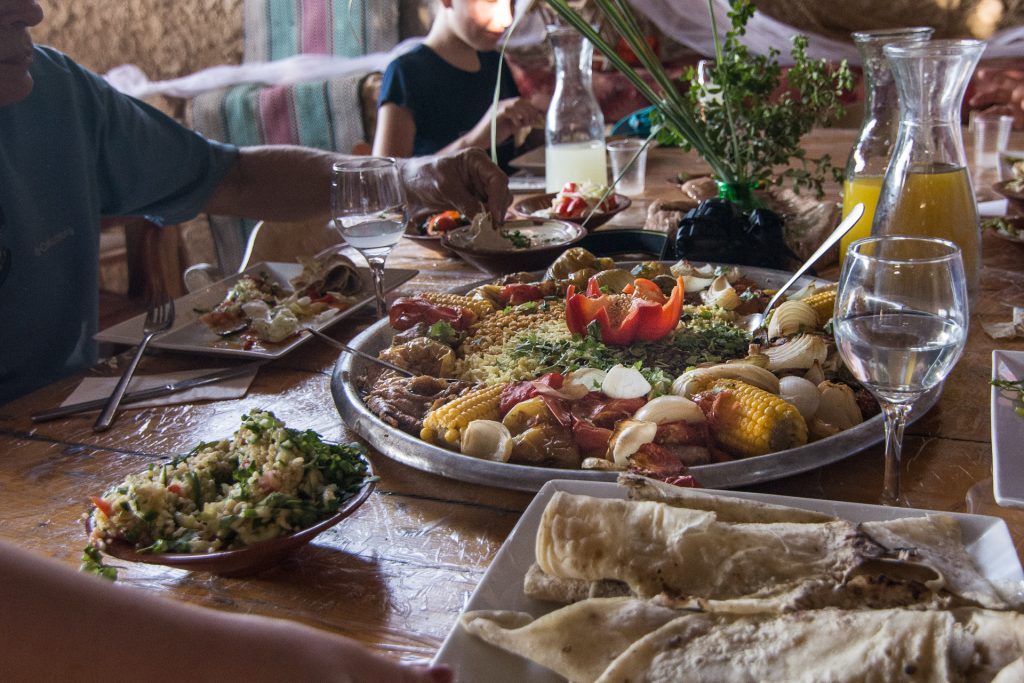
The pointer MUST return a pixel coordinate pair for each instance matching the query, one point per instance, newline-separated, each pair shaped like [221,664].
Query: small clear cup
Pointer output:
[991,133]
[628,158]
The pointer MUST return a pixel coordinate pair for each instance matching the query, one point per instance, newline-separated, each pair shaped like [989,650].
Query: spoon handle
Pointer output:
[844,227]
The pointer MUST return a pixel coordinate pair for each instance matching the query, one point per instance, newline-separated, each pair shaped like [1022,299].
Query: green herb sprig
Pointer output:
[1015,387]
[739,120]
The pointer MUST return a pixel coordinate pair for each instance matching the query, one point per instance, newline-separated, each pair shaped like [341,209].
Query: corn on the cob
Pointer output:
[749,421]
[823,304]
[444,424]
[481,307]
[496,329]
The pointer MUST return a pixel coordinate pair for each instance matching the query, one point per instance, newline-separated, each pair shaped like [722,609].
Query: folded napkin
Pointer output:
[101,387]
[1007,330]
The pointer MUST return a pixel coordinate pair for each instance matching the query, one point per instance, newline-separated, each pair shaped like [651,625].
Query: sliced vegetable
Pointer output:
[624,318]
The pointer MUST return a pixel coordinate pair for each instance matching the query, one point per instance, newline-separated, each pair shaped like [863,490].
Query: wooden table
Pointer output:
[396,573]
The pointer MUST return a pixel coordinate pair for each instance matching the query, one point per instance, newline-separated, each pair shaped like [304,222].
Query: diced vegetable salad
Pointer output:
[266,481]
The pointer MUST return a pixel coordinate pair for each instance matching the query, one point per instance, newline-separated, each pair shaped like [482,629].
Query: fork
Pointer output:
[159,319]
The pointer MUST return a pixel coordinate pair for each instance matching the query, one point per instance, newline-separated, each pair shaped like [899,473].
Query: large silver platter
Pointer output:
[421,455]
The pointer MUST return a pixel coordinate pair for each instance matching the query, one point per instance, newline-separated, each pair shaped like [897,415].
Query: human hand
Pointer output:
[1000,91]
[465,181]
[510,116]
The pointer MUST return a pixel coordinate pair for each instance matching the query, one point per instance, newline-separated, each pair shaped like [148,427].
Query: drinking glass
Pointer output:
[901,324]
[368,206]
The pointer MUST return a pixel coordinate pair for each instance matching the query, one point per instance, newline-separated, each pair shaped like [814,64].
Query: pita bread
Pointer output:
[726,508]
[585,642]
[589,546]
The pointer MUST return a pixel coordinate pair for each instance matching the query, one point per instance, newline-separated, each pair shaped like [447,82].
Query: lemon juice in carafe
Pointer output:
[927,189]
[869,157]
[574,125]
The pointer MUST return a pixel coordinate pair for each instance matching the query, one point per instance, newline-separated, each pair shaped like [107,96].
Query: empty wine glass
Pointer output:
[900,325]
[368,206]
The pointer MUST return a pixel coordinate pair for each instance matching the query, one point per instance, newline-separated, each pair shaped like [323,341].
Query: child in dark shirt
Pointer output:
[439,96]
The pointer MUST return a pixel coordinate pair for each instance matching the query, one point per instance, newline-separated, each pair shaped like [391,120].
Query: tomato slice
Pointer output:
[103,506]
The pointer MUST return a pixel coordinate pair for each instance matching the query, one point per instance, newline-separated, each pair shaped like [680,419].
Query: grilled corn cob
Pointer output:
[749,421]
[481,307]
[823,303]
[444,424]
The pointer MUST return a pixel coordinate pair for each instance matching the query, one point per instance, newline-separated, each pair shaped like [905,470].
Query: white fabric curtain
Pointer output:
[686,22]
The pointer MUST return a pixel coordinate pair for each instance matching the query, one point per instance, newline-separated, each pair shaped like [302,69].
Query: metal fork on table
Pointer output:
[159,319]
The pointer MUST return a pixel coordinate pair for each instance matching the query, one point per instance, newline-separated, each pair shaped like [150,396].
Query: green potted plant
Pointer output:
[746,115]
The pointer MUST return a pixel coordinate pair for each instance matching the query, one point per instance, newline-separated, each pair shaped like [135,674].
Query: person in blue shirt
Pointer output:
[439,97]
[73,149]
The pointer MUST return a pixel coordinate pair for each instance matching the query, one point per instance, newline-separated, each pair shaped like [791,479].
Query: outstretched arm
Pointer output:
[62,625]
[286,183]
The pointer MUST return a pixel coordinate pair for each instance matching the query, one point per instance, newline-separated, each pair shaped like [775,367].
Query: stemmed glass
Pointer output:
[900,324]
[368,206]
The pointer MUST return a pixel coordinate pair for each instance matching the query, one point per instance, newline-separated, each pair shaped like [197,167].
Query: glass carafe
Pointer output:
[574,128]
[927,188]
[869,157]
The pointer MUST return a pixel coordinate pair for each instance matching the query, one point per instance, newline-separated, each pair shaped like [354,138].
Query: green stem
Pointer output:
[733,137]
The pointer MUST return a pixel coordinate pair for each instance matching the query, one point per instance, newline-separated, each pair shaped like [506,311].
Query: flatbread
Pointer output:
[726,508]
[588,547]
[655,548]
[585,642]
[579,641]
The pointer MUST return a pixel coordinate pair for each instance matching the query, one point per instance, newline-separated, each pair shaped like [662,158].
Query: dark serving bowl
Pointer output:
[534,207]
[1014,199]
[556,237]
[243,561]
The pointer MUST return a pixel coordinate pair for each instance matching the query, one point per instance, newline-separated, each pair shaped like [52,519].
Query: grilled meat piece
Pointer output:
[404,402]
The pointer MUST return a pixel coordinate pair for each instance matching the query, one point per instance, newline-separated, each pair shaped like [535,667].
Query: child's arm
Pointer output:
[395,132]
[513,114]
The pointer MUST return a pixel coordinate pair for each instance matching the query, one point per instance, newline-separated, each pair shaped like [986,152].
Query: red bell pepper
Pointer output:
[642,314]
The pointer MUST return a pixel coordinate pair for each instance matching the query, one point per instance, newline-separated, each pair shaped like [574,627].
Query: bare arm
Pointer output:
[61,625]
[286,183]
[512,115]
[277,183]
[395,132]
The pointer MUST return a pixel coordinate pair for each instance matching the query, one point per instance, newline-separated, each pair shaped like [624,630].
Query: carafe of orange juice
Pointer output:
[927,188]
[869,157]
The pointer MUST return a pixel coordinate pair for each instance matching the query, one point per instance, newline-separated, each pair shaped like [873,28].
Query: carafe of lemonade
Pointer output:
[927,189]
[574,127]
[866,164]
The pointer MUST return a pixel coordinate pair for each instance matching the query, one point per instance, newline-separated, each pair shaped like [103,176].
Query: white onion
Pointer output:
[623,382]
[802,394]
[669,408]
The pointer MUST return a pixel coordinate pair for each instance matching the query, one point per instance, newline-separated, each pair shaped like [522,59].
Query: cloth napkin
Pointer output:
[101,387]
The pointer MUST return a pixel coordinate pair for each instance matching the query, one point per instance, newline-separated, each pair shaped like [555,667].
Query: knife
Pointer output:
[146,394]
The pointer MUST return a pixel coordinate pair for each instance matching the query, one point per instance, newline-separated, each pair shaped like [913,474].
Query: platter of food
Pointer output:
[567,433]
[232,506]
[263,311]
[588,585]
[1008,427]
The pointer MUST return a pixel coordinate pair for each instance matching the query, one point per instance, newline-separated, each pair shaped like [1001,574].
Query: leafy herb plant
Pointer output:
[743,117]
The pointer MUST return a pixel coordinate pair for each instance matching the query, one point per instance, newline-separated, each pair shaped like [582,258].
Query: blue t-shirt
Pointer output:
[75,150]
[445,101]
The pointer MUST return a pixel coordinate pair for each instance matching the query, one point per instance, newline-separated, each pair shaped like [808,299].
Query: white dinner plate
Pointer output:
[987,540]
[192,335]
[1007,432]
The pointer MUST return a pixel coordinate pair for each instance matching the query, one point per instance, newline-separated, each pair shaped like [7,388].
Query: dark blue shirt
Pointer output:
[445,101]
[74,150]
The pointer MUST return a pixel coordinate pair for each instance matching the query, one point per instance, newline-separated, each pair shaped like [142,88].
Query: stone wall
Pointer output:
[165,38]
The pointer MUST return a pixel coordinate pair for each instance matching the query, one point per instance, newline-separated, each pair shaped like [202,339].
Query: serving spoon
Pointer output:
[755,322]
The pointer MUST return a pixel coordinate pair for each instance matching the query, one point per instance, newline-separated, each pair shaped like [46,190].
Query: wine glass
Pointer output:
[900,325]
[368,206]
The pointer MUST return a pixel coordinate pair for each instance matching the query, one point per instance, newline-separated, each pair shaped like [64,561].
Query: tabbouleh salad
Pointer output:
[264,482]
